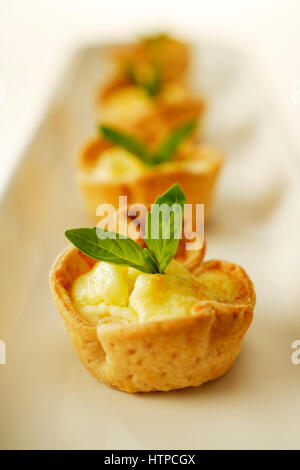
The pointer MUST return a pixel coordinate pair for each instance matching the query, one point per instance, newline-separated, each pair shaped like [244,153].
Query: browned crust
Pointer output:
[198,185]
[157,124]
[115,84]
[164,355]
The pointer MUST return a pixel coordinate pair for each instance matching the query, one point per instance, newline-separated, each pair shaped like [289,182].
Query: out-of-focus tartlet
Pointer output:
[106,171]
[149,86]
[162,52]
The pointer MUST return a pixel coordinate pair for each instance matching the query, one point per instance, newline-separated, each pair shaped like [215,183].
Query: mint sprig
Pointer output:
[163,230]
[151,84]
[138,148]
[164,226]
[126,141]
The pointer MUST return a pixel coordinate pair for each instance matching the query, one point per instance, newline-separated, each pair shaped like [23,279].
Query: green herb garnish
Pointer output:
[164,226]
[127,142]
[163,231]
[133,145]
[172,142]
[112,247]
[151,84]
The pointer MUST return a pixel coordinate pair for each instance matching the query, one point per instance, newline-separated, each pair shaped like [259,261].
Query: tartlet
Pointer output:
[148,88]
[164,354]
[195,168]
[171,56]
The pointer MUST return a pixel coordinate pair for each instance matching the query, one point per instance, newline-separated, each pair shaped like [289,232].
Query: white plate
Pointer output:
[48,400]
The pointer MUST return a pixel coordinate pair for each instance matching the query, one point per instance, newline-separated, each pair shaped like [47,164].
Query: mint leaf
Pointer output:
[138,148]
[171,144]
[118,250]
[164,226]
[126,141]
[152,84]
[163,232]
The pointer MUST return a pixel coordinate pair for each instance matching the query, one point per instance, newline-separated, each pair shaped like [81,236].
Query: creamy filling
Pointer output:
[117,163]
[132,103]
[113,293]
[174,93]
[126,104]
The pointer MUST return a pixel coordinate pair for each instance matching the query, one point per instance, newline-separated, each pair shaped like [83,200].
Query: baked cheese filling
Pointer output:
[117,163]
[112,293]
[132,103]
[174,93]
[126,104]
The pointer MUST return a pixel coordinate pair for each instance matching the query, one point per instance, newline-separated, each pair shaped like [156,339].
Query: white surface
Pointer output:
[47,398]
[36,38]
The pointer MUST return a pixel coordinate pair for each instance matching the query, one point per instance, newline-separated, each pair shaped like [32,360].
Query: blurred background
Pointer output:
[37,38]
